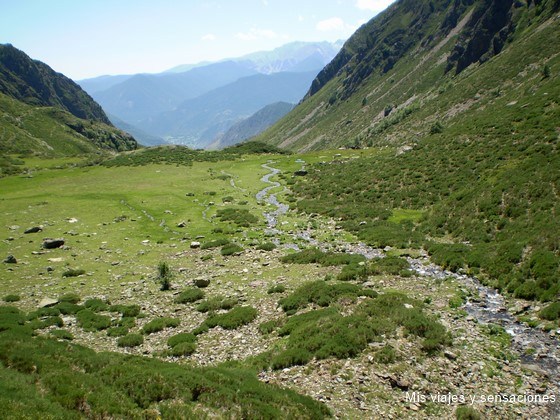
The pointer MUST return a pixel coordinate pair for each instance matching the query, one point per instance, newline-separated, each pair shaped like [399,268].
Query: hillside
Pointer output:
[462,106]
[45,114]
[35,83]
[199,121]
[253,125]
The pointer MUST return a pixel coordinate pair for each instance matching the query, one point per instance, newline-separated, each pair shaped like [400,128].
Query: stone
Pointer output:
[182,224]
[201,282]
[450,355]
[195,245]
[53,243]
[10,259]
[47,302]
[301,172]
[33,229]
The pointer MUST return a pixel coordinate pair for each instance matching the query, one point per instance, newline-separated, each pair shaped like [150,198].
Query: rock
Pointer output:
[53,243]
[72,220]
[10,259]
[201,282]
[402,384]
[301,172]
[195,245]
[182,224]
[47,302]
[33,229]
[408,306]
[450,355]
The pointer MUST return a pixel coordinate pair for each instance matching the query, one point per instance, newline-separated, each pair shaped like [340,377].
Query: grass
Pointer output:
[233,319]
[190,295]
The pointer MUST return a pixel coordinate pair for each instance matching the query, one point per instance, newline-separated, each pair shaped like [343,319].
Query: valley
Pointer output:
[118,228]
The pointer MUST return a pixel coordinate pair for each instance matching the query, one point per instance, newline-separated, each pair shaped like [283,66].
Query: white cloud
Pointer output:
[332,24]
[300,18]
[255,34]
[373,5]
[265,2]
[209,37]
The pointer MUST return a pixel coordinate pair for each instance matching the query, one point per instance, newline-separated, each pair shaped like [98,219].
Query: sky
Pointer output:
[89,38]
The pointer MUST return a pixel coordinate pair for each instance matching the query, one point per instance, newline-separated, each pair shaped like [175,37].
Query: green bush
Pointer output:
[385,355]
[291,357]
[182,349]
[96,305]
[39,324]
[62,334]
[551,312]
[72,272]
[316,256]
[130,340]
[67,308]
[11,298]
[117,331]
[267,246]
[190,295]
[390,265]
[70,298]
[230,249]
[241,217]
[181,338]
[277,288]
[234,318]
[126,310]
[90,321]
[215,303]
[269,326]
[464,412]
[159,324]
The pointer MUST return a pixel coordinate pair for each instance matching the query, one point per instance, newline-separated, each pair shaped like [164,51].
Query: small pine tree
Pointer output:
[164,275]
[546,71]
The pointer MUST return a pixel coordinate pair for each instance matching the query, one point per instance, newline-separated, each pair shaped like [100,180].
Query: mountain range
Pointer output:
[160,105]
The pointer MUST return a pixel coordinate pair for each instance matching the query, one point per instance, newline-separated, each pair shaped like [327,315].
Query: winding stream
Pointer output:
[535,347]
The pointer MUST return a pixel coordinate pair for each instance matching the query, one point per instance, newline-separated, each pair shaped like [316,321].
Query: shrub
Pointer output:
[390,265]
[201,329]
[230,249]
[159,324]
[267,246]
[62,334]
[385,355]
[277,288]
[215,303]
[67,308]
[11,298]
[189,295]
[269,326]
[316,256]
[181,338]
[70,298]
[90,321]
[464,412]
[126,310]
[551,312]
[233,319]
[50,321]
[71,272]
[291,357]
[96,305]
[130,340]
[182,349]
[241,217]
[117,331]
[164,276]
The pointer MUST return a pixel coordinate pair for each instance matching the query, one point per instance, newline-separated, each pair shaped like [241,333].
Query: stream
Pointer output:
[536,348]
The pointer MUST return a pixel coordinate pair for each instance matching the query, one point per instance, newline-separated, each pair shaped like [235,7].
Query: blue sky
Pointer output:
[88,38]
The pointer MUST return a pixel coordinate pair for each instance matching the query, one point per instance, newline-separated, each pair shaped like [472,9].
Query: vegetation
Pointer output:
[159,324]
[164,275]
[234,318]
[11,298]
[90,321]
[189,295]
[130,340]
[241,217]
[230,249]
[216,303]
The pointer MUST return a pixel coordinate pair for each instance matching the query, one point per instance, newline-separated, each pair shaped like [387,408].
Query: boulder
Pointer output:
[301,172]
[195,245]
[53,243]
[33,229]
[47,302]
[182,224]
[201,282]
[10,259]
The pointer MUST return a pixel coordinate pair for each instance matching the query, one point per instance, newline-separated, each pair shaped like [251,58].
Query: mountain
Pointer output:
[253,125]
[44,113]
[97,84]
[413,64]
[294,57]
[199,121]
[144,95]
[141,136]
[457,101]
[35,83]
